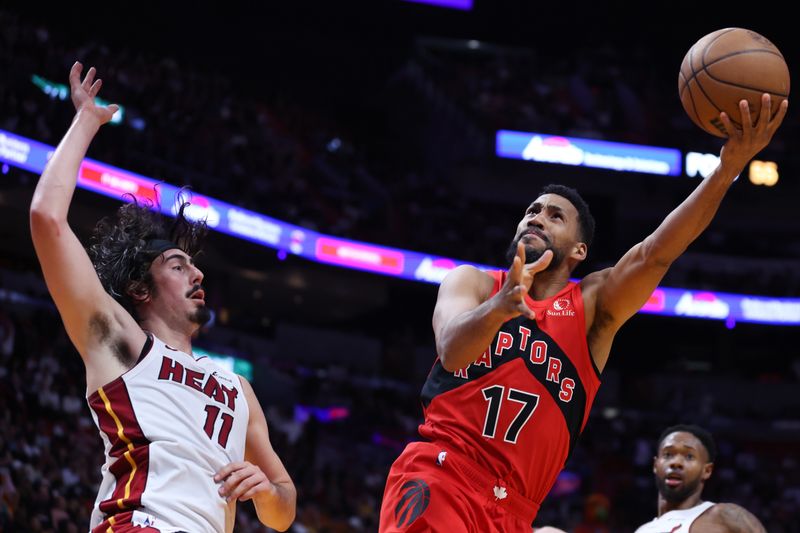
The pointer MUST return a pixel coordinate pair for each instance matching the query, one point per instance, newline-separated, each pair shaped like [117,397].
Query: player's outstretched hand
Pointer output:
[83,92]
[746,142]
[242,481]
[519,281]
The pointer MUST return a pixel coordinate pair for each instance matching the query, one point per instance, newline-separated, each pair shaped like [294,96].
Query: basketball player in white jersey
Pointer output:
[684,463]
[184,438]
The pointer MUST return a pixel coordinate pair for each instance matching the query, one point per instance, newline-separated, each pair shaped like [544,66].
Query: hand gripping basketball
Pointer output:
[744,143]
[728,66]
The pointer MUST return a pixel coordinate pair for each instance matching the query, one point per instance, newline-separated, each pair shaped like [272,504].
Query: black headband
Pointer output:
[157,247]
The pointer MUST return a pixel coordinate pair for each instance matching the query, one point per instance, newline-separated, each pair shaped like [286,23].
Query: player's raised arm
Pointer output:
[84,305]
[622,289]
[465,319]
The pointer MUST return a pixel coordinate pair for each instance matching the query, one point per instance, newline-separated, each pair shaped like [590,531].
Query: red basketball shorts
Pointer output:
[431,488]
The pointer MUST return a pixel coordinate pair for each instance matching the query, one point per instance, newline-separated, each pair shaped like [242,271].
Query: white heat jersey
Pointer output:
[168,425]
[678,521]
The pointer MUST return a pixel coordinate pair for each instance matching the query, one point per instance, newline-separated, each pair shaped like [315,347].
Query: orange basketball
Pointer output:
[725,67]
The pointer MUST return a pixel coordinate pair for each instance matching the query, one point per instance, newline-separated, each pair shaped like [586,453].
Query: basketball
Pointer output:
[725,67]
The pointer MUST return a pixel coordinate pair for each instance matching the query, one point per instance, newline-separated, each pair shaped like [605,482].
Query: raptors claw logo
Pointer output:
[416,496]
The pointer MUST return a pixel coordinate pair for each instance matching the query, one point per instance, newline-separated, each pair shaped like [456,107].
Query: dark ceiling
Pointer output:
[250,39]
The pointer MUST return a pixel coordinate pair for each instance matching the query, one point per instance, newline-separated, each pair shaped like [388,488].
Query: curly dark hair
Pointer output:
[121,250]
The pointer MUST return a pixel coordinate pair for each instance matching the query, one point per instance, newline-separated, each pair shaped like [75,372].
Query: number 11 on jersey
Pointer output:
[212,413]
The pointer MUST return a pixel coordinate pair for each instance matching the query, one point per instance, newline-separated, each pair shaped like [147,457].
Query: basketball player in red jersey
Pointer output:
[185,439]
[520,355]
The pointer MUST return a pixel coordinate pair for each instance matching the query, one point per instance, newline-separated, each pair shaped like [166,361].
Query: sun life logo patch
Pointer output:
[561,307]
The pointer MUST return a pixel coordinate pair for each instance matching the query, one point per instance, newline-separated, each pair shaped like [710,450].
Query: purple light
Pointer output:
[454,4]
[389,442]
[324,414]
[593,153]
[566,483]
[337,413]
[285,238]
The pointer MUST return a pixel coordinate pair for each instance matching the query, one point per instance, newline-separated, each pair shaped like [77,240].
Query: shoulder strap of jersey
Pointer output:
[499,277]
[148,345]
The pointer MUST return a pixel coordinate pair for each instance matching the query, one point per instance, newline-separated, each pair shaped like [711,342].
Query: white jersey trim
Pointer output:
[677,521]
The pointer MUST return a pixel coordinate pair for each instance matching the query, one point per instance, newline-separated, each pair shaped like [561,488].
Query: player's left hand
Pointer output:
[83,93]
[242,481]
[746,142]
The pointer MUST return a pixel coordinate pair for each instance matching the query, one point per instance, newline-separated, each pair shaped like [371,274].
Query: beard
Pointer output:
[532,254]
[201,316]
[676,495]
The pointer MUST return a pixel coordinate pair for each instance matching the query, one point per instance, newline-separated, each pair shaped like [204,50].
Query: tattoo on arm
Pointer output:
[740,520]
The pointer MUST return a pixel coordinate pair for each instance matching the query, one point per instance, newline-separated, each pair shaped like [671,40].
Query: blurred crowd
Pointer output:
[50,452]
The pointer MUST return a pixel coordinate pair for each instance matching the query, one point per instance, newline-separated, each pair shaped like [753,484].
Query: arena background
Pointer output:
[376,121]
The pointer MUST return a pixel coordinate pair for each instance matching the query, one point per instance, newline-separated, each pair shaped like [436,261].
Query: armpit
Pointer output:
[100,329]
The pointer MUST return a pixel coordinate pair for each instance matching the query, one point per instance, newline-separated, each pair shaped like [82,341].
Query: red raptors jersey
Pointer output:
[518,409]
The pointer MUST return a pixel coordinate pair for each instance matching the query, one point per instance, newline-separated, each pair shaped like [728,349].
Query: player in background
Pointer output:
[184,438]
[683,464]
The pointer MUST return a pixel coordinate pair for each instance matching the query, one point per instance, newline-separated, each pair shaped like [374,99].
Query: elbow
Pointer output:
[279,515]
[38,213]
[449,362]
[44,222]
[453,358]
[652,254]
[288,518]
[39,207]
[282,523]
